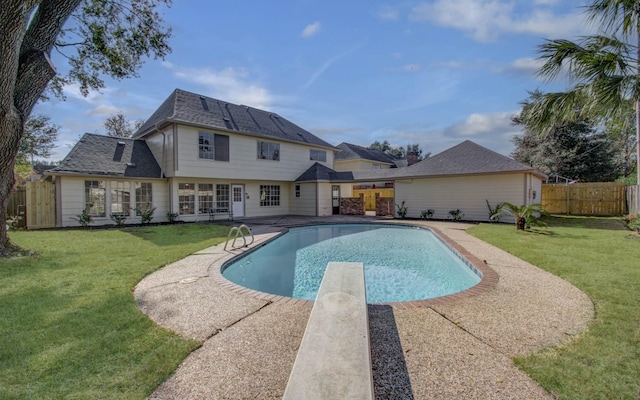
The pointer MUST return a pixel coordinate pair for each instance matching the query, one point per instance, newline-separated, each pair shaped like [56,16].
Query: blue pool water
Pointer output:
[401,263]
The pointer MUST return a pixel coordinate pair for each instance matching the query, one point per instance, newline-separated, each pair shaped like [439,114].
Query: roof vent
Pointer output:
[203,101]
[130,164]
[121,143]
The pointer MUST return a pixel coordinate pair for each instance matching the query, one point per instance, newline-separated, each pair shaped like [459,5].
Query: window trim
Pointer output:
[270,195]
[272,150]
[317,155]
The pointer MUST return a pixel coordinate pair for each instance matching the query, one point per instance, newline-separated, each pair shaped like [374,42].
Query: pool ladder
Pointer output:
[239,232]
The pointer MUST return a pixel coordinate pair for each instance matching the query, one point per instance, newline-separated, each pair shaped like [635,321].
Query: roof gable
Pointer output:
[466,158]
[350,151]
[193,109]
[319,172]
[109,156]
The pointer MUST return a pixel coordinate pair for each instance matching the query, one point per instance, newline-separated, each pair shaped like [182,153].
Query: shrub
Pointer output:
[456,214]
[84,218]
[525,216]
[402,210]
[119,218]
[427,214]
[172,217]
[494,213]
[145,213]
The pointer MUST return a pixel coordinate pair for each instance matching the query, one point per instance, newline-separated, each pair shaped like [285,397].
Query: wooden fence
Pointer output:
[633,199]
[39,199]
[592,198]
[18,198]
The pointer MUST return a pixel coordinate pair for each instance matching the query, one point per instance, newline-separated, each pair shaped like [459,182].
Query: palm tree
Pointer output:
[604,69]
[525,216]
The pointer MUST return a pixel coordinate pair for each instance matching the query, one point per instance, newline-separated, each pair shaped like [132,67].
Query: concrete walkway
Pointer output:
[458,349]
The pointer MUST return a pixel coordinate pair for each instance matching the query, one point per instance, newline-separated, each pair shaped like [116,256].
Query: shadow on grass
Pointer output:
[390,375]
[178,234]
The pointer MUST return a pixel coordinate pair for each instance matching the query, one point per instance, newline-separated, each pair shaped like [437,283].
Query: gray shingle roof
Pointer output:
[463,159]
[319,172]
[109,156]
[350,151]
[193,109]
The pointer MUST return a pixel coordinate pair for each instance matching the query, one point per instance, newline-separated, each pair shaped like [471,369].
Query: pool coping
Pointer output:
[488,280]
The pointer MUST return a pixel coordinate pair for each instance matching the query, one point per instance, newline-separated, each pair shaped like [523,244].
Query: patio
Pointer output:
[455,349]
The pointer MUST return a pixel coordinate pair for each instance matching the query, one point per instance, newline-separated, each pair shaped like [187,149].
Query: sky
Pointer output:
[434,72]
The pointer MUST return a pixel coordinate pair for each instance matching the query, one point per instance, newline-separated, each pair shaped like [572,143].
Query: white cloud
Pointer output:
[93,97]
[523,67]
[411,67]
[388,14]
[103,110]
[311,30]
[230,84]
[486,20]
[327,64]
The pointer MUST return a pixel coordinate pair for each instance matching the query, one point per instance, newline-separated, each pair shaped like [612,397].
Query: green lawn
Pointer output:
[601,257]
[69,326]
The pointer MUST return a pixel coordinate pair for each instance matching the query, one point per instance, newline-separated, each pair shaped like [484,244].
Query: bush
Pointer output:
[427,214]
[119,218]
[402,210]
[172,217]
[456,214]
[84,218]
[146,213]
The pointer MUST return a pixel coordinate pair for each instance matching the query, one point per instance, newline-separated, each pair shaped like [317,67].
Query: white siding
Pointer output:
[467,193]
[243,162]
[346,190]
[161,146]
[306,203]
[72,200]
[324,199]
[358,165]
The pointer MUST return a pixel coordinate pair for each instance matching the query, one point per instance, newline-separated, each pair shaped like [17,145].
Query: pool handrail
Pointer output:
[238,232]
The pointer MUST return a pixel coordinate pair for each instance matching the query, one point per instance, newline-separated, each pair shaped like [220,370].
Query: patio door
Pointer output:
[335,199]
[237,197]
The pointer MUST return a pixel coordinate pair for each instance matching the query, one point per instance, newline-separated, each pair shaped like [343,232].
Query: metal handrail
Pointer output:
[238,232]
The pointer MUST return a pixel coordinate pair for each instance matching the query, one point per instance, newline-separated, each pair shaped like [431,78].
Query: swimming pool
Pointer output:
[401,263]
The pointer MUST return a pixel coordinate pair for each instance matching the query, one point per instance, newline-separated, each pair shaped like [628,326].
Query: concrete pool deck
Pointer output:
[457,349]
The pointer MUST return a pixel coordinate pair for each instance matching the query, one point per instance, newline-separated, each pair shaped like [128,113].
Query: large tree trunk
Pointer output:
[9,122]
[25,72]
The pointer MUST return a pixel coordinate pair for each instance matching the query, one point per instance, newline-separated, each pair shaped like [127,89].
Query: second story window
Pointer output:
[318,155]
[212,146]
[268,151]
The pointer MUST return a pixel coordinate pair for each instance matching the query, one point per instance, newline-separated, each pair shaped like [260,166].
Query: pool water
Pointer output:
[401,263]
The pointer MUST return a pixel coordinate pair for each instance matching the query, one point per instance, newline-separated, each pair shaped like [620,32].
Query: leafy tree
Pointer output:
[110,37]
[570,149]
[119,126]
[39,138]
[603,68]
[621,132]
[412,151]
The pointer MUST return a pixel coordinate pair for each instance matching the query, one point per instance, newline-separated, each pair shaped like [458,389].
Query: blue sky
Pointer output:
[429,72]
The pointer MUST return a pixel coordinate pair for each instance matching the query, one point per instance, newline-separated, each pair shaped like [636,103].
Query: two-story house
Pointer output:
[197,157]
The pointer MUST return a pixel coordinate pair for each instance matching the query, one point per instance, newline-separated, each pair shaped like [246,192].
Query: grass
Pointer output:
[602,258]
[69,325]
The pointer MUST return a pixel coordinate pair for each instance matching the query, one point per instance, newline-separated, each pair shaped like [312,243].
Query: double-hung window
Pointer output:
[120,197]
[212,146]
[268,151]
[269,195]
[95,198]
[205,197]
[144,197]
[222,197]
[186,198]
